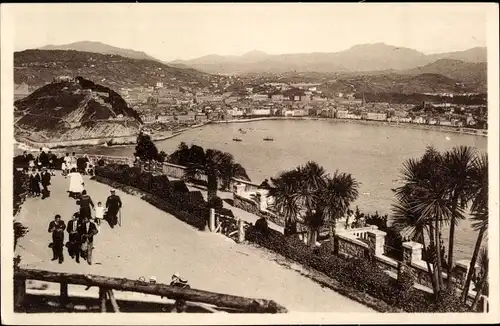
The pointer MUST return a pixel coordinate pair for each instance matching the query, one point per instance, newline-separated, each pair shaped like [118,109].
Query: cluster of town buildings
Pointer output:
[176,108]
[170,107]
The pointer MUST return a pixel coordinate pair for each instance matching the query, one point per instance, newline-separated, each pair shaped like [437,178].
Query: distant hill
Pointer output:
[359,58]
[38,67]
[472,74]
[394,83]
[475,55]
[98,47]
[75,109]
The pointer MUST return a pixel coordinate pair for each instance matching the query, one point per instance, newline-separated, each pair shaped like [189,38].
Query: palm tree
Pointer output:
[479,209]
[426,193]
[306,193]
[286,199]
[215,164]
[411,226]
[340,190]
[457,165]
[484,265]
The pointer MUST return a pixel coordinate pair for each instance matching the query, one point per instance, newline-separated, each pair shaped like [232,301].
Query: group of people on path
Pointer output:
[39,182]
[81,232]
[46,159]
[83,226]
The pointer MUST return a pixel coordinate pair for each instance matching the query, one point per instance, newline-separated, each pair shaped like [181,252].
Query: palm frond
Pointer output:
[483,260]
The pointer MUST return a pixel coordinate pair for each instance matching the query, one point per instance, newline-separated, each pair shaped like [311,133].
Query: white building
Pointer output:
[376,116]
[260,112]
[341,114]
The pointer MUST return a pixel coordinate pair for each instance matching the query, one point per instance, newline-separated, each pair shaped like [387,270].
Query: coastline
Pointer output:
[451,129]
[31,145]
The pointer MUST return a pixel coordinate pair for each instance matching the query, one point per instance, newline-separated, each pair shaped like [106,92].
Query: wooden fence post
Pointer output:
[19,293]
[114,304]
[102,299]
[63,298]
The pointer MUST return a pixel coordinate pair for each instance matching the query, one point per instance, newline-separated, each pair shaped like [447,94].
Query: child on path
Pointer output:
[99,214]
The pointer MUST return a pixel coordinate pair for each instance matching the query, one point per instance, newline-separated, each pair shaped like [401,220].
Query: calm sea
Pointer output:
[372,154]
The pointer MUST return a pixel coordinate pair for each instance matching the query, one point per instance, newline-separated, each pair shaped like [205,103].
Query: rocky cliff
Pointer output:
[74,109]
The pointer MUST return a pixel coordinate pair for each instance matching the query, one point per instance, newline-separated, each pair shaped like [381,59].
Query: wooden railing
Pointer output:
[106,286]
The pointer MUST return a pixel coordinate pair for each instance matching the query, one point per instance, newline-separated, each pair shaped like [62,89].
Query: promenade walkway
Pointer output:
[151,242]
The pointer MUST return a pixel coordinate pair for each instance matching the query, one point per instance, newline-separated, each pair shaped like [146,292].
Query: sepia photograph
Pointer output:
[249,163]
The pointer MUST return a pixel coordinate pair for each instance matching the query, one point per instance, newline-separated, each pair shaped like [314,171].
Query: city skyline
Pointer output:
[183,31]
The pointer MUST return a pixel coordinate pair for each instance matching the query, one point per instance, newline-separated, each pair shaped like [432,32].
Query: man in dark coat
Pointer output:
[74,237]
[35,180]
[87,230]
[56,227]
[52,162]
[43,158]
[45,178]
[85,203]
[113,205]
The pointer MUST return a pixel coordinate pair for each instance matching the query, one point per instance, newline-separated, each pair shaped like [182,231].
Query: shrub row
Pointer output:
[355,275]
[172,196]
[361,275]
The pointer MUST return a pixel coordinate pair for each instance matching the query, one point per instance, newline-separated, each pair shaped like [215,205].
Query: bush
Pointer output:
[360,274]
[20,185]
[171,196]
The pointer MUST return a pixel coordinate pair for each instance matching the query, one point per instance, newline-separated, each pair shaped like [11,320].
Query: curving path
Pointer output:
[151,242]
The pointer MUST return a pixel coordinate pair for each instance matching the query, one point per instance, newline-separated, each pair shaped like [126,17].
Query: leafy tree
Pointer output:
[145,149]
[162,156]
[218,166]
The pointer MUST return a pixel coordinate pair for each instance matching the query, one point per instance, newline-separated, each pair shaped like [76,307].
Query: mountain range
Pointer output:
[38,67]
[359,58]
[115,67]
[98,47]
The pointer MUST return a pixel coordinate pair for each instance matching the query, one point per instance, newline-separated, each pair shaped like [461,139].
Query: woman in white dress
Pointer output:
[76,184]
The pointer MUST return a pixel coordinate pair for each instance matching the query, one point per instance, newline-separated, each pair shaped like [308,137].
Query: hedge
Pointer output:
[361,275]
[172,196]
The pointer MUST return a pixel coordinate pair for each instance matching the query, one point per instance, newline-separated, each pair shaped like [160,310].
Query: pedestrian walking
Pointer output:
[52,163]
[99,214]
[35,180]
[45,178]
[113,206]
[74,162]
[57,227]
[75,183]
[66,164]
[43,158]
[86,204]
[87,230]
[73,237]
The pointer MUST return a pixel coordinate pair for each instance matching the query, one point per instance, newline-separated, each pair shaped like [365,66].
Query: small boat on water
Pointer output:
[242,131]
[237,139]
[268,139]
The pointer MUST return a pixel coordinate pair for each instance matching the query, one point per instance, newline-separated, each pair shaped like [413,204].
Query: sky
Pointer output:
[186,31]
